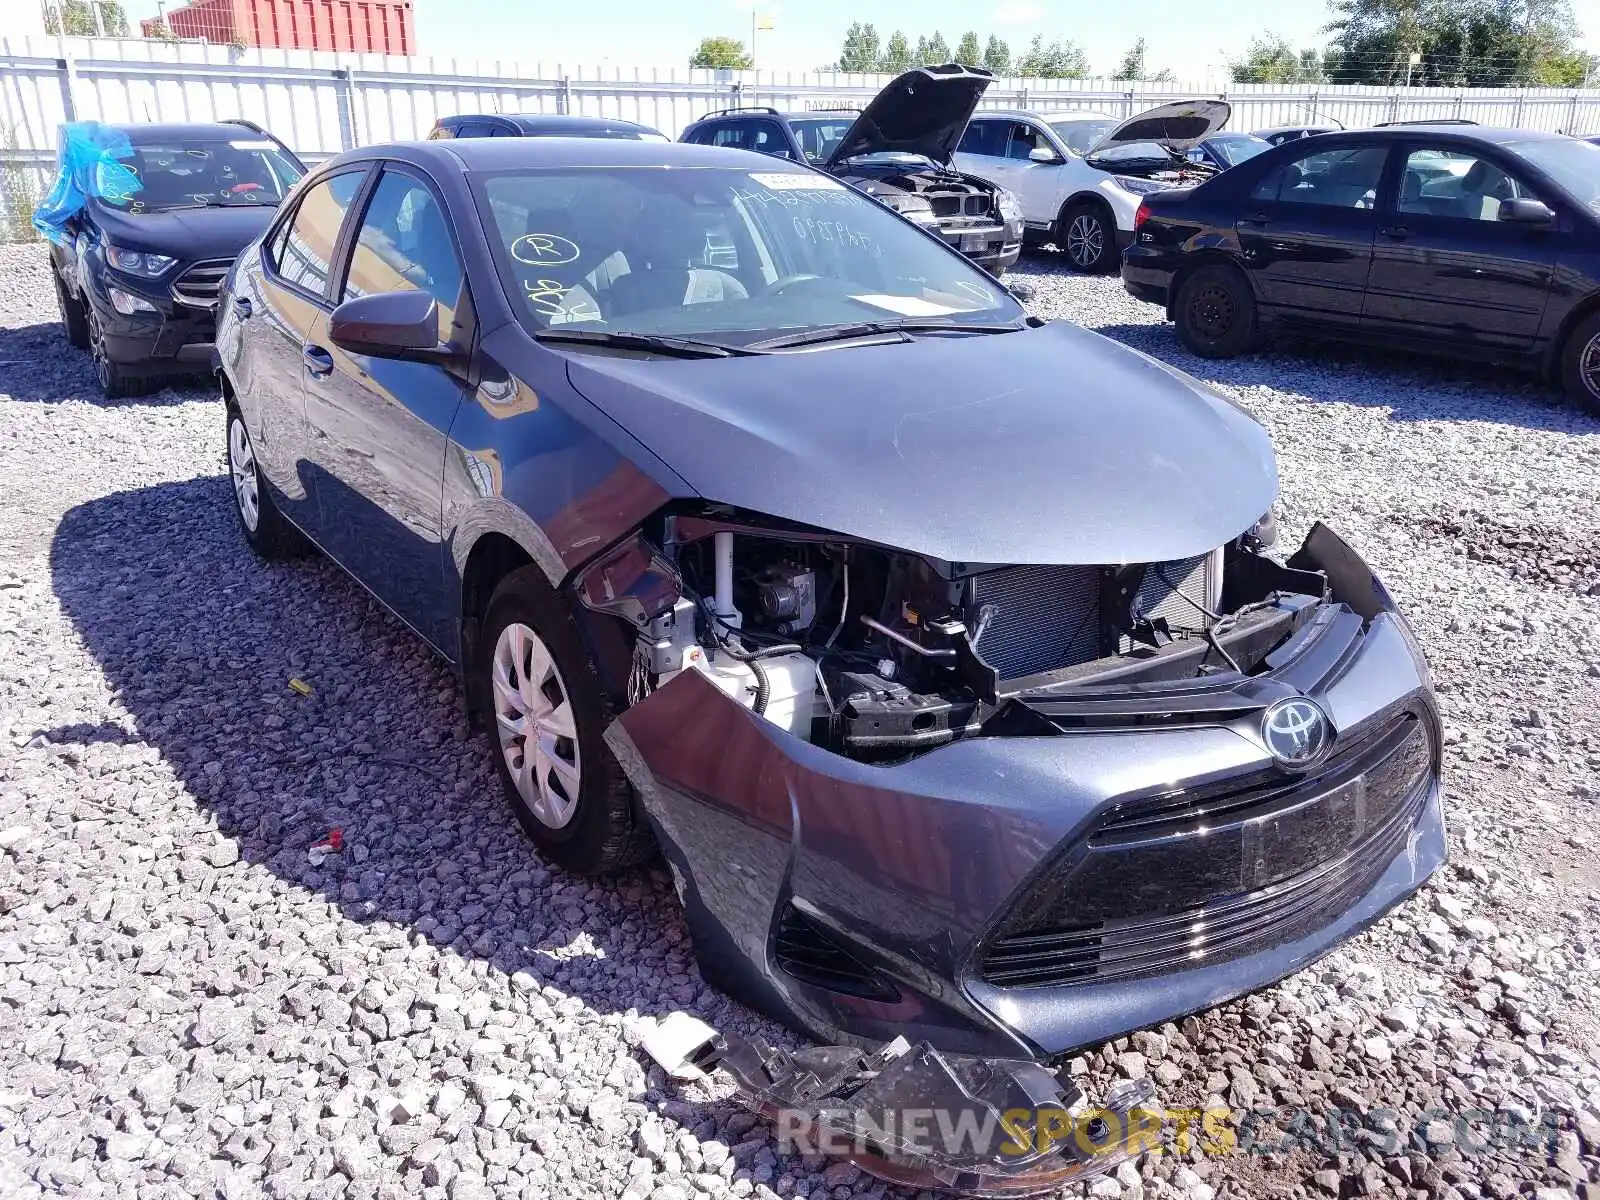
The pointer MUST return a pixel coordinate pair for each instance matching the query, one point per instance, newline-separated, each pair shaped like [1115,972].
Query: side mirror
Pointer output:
[1526,211]
[387,325]
[1020,289]
[1043,154]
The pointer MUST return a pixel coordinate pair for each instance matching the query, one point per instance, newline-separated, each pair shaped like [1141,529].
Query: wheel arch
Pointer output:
[1576,315]
[1085,198]
[1193,262]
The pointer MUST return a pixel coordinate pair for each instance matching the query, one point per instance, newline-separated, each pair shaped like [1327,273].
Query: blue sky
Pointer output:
[1193,39]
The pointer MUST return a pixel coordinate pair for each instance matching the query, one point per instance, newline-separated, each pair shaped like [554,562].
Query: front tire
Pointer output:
[1089,238]
[266,529]
[550,715]
[116,381]
[74,321]
[1580,364]
[1216,312]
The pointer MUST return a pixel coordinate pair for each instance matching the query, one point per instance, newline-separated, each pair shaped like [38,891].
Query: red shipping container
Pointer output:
[356,26]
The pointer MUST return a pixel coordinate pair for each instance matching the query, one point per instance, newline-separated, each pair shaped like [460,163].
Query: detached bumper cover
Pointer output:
[919,1118]
[1021,896]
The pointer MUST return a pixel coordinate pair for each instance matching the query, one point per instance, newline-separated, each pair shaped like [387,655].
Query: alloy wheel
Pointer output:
[242,464]
[1085,240]
[97,350]
[1212,312]
[1589,366]
[537,730]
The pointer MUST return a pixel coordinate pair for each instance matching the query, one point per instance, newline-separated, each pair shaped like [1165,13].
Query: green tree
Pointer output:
[969,53]
[1268,59]
[920,54]
[718,53]
[896,55]
[1058,60]
[861,50]
[1459,43]
[86,18]
[1132,62]
[938,50]
[997,56]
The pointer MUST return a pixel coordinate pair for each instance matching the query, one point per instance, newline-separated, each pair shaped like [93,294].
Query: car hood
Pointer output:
[1049,446]
[1178,126]
[188,234]
[925,111]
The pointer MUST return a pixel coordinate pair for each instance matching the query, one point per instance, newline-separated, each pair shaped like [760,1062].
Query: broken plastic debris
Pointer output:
[675,1041]
[319,851]
[300,685]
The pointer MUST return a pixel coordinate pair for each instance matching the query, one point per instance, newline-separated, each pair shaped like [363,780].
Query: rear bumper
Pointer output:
[862,902]
[1147,274]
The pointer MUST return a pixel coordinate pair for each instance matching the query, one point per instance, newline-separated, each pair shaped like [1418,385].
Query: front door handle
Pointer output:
[319,363]
[1395,233]
[241,307]
[1256,219]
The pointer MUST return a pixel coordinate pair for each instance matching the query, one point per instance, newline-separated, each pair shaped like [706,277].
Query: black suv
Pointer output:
[465,125]
[138,267]
[897,150]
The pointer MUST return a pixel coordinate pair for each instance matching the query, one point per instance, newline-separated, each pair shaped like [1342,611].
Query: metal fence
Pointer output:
[321,103]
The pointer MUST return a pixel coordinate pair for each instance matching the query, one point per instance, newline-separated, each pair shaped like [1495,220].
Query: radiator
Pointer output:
[1044,618]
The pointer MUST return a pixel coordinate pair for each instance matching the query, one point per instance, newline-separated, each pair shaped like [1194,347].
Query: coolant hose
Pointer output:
[763,687]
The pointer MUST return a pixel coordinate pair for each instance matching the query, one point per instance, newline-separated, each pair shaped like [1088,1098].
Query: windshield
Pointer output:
[1574,165]
[819,135]
[246,171]
[1234,148]
[741,254]
[1080,135]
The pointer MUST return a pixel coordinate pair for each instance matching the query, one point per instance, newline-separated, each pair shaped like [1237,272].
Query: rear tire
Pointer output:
[1216,312]
[74,321]
[549,717]
[1580,364]
[1088,236]
[266,529]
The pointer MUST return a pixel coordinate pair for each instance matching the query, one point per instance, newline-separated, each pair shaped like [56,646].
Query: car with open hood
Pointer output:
[936,647]
[898,151]
[1079,176]
[144,221]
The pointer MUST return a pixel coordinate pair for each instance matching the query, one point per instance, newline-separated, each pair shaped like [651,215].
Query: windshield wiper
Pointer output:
[658,343]
[861,329]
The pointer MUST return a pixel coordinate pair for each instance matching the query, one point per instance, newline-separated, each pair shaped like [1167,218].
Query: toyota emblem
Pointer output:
[1297,732]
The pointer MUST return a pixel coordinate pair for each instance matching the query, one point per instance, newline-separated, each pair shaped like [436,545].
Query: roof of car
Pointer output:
[1065,115]
[499,154]
[1460,133]
[188,131]
[536,123]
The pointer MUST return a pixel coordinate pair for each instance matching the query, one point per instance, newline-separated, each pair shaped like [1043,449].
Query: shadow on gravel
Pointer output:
[38,364]
[199,641]
[1414,387]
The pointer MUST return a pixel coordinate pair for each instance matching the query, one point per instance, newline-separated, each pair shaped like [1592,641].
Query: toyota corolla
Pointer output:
[938,648]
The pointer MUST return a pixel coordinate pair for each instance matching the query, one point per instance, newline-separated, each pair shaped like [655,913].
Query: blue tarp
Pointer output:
[88,165]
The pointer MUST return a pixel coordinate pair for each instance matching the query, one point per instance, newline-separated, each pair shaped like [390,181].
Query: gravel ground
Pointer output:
[190,1007]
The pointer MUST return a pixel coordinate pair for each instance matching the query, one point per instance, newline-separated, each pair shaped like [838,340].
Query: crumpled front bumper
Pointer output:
[861,902]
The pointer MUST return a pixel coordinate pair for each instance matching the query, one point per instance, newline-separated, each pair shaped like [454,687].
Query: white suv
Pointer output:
[1080,175]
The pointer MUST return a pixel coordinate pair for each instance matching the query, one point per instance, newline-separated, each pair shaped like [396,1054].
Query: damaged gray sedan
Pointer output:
[938,648]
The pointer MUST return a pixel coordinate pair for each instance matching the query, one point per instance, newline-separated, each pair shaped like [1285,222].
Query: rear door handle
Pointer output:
[319,363]
[241,307]
[1259,220]
[1395,233]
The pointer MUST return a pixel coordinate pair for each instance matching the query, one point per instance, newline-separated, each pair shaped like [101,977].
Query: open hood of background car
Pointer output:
[972,449]
[1178,126]
[925,111]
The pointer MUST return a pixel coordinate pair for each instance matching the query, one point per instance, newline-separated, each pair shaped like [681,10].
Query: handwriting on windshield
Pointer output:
[545,295]
[841,198]
[835,233]
[544,250]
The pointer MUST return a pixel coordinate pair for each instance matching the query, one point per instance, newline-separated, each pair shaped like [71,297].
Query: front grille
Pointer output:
[1184,881]
[201,284]
[1045,618]
[960,206]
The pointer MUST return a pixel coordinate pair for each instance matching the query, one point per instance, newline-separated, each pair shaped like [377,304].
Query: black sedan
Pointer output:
[935,646]
[1448,239]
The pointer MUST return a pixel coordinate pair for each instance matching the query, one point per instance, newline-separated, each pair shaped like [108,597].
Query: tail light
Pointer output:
[1143,215]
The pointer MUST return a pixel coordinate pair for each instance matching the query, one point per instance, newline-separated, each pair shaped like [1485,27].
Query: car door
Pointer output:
[276,310]
[984,152]
[1306,231]
[380,426]
[1040,185]
[1445,267]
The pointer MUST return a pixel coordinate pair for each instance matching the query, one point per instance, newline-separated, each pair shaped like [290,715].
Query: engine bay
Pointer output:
[953,197]
[878,654]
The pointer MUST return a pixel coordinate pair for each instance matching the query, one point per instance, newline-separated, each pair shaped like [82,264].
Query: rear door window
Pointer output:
[986,138]
[1346,177]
